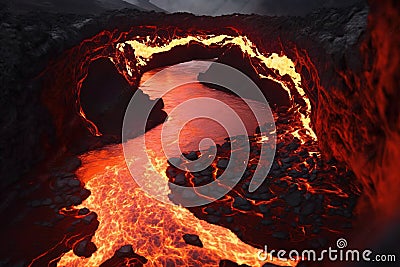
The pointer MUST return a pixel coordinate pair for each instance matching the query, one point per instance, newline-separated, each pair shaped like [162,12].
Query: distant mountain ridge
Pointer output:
[77,6]
[146,4]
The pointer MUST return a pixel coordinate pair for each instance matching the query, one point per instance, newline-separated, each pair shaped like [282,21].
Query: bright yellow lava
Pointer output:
[127,215]
[281,64]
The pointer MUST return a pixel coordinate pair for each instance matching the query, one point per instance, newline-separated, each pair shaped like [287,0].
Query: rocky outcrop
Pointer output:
[105,95]
[356,113]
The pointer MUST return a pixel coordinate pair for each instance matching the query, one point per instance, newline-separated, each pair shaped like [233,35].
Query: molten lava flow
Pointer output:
[128,216]
[326,191]
[131,54]
[281,65]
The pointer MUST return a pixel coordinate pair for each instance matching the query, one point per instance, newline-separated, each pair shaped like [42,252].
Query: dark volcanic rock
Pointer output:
[228,263]
[263,208]
[105,95]
[213,218]
[308,208]
[84,248]
[280,235]
[241,203]
[125,251]
[270,265]
[83,211]
[191,155]
[193,240]
[88,219]
[267,222]
[202,180]
[180,179]
[293,199]
[125,256]
[222,163]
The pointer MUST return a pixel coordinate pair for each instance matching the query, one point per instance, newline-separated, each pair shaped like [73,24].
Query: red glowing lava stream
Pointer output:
[155,229]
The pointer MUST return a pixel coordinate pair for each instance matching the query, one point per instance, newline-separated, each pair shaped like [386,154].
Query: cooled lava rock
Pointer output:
[228,263]
[125,256]
[84,248]
[193,240]
[304,197]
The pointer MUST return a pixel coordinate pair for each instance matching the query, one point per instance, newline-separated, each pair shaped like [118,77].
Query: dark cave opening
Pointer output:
[104,96]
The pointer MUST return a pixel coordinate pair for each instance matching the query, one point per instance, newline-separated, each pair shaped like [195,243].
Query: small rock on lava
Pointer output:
[193,240]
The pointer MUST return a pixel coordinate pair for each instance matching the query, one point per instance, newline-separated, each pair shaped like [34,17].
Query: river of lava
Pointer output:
[155,229]
[127,215]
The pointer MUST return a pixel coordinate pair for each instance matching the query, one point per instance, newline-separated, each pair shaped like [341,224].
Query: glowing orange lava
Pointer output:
[154,229]
[144,48]
[280,64]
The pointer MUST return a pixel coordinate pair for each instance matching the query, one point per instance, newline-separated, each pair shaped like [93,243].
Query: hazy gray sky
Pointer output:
[264,7]
[144,4]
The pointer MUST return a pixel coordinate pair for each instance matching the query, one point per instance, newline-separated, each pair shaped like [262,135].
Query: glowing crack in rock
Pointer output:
[281,64]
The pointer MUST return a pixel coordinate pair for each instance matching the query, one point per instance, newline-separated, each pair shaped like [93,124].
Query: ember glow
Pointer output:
[154,229]
[128,216]
[144,48]
[280,64]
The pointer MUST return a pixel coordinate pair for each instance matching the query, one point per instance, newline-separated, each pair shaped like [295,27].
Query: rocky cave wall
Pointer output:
[340,59]
[363,120]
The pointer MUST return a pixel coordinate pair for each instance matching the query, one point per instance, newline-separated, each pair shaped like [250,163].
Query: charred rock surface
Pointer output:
[105,95]
[40,223]
[305,201]
[228,263]
[193,240]
[125,256]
